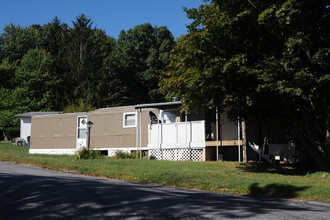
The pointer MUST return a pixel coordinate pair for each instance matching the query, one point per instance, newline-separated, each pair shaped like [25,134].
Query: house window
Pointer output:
[129,120]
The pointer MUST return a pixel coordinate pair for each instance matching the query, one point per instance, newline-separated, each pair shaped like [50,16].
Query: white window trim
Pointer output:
[124,116]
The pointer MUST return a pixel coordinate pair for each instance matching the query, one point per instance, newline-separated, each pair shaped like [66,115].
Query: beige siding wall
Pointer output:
[59,131]
[54,132]
[108,130]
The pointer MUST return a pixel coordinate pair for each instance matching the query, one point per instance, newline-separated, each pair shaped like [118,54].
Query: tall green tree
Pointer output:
[137,64]
[86,49]
[35,82]
[32,88]
[16,41]
[7,73]
[56,35]
[7,111]
[262,59]
[13,43]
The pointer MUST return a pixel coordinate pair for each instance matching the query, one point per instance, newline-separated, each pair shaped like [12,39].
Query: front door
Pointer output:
[81,132]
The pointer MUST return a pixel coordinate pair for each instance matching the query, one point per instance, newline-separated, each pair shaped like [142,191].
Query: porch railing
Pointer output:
[189,134]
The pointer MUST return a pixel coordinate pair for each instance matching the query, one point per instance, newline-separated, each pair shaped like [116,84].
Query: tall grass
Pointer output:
[227,177]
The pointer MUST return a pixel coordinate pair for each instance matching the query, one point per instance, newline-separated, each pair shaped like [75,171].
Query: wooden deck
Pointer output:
[223,143]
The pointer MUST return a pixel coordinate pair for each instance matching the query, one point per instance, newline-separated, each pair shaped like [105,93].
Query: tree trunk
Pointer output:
[5,138]
[310,144]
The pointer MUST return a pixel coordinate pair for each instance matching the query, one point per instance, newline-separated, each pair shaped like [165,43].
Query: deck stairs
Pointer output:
[269,158]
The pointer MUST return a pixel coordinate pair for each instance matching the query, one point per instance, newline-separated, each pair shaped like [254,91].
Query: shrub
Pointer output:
[85,153]
[136,154]
[122,155]
[12,132]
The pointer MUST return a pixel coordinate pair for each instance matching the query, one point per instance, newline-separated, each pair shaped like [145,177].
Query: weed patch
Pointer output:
[85,153]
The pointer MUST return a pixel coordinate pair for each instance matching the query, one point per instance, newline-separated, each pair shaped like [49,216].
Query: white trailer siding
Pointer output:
[25,129]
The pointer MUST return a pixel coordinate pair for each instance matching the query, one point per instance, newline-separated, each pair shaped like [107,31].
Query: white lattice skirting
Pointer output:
[177,154]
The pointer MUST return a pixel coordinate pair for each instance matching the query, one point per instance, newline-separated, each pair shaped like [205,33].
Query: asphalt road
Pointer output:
[31,193]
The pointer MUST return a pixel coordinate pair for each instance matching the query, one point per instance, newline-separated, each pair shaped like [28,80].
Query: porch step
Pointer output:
[269,158]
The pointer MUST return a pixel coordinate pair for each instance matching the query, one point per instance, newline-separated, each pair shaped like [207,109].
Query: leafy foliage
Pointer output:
[35,82]
[123,155]
[12,132]
[85,154]
[137,64]
[81,107]
[136,154]
[262,59]
[55,67]
[86,48]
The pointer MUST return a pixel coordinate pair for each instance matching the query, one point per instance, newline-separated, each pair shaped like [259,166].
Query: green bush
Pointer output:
[122,155]
[85,153]
[136,154]
[12,132]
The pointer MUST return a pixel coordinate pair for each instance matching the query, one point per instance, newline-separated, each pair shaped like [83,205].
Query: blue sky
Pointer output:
[109,15]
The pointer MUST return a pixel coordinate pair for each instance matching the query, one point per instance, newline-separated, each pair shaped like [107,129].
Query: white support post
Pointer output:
[158,143]
[161,134]
[244,142]
[161,129]
[140,133]
[176,133]
[186,123]
[137,133]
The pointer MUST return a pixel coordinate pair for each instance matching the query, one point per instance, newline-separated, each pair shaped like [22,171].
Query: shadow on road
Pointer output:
[72,196]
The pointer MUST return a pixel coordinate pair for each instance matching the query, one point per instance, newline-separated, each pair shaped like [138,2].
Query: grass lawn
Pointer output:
[226,177]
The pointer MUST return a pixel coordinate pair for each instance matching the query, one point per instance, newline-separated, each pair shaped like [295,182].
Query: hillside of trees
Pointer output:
[56,67]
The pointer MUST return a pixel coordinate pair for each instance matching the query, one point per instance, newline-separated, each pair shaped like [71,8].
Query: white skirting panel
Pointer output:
[111,151]
[53,151]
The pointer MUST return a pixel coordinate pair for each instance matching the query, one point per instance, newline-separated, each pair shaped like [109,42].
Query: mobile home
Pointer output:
[113,129]
[158,128]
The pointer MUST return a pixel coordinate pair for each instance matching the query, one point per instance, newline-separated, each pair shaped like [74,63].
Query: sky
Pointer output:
[112,16]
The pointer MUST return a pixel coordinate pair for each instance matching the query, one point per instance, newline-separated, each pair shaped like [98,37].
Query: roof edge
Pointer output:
[30,114]
[158,105]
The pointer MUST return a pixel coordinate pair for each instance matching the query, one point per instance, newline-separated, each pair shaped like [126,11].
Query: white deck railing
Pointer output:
[189,134]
